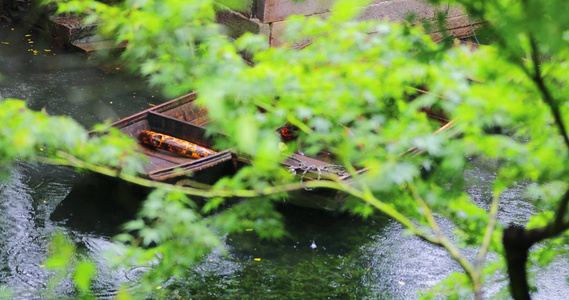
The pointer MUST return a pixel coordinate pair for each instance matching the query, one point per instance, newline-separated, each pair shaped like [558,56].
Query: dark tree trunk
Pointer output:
[516,245]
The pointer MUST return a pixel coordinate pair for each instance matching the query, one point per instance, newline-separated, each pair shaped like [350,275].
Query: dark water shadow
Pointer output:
[99,204]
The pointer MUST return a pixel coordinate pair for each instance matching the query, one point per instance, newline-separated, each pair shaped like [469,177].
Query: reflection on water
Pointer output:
[357,259]
[31,208]
[26,202]
[353,259]
[23,241]
[67,83]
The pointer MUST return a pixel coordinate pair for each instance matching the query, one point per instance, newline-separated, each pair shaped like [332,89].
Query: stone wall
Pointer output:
[268,16]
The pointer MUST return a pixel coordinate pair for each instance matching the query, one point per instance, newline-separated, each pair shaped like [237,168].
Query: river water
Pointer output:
[324,256]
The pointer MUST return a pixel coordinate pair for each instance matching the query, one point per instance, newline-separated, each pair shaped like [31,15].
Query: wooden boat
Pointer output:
[183,119]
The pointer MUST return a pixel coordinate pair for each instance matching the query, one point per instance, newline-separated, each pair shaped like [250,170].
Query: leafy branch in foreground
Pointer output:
[357,97]
[523,33]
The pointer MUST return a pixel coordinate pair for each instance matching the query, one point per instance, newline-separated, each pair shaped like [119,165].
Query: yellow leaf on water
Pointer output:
[46,50]
[5,43]
[257,259]
[28,35]
[42,266]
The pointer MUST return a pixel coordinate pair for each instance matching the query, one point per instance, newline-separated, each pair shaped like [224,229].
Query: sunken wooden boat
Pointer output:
[182,118]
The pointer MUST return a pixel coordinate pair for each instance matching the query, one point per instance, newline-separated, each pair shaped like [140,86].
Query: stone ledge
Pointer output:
[458,24]
[70,29]
[237,24]
[269,11]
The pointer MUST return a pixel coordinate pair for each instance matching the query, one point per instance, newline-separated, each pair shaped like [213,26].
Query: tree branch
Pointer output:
[480,257]
[368,197]
[455,253]
[558,223]
[72,161]
[518,240]
[546,94]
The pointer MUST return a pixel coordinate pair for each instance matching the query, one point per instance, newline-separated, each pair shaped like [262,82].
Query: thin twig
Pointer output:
[426,92]
[490,227]
[368,197]
[72,161]
[426,211]
[446,243]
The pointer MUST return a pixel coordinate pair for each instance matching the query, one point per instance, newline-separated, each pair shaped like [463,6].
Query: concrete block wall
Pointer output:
[268,17]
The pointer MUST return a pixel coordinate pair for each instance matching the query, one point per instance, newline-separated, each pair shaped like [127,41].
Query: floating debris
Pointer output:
[313,245]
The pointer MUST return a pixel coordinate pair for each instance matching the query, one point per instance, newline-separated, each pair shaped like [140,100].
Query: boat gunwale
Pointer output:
[166,106]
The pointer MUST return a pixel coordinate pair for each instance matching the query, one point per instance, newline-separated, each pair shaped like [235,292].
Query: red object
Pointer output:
[288,132]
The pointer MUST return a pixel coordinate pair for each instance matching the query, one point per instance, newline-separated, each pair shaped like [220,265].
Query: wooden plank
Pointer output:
[179,129]
[189,112]
[192,167]
[172,158]
[141,116]
[132,130]
[159,159]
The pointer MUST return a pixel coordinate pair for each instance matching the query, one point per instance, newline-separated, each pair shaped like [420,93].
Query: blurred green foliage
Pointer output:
[354,92]
[64,259]
[29,135]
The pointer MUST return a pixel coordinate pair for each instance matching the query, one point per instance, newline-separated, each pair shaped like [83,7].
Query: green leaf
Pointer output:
[84,273]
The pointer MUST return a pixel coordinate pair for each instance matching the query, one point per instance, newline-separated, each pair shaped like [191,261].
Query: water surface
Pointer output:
[350,258]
